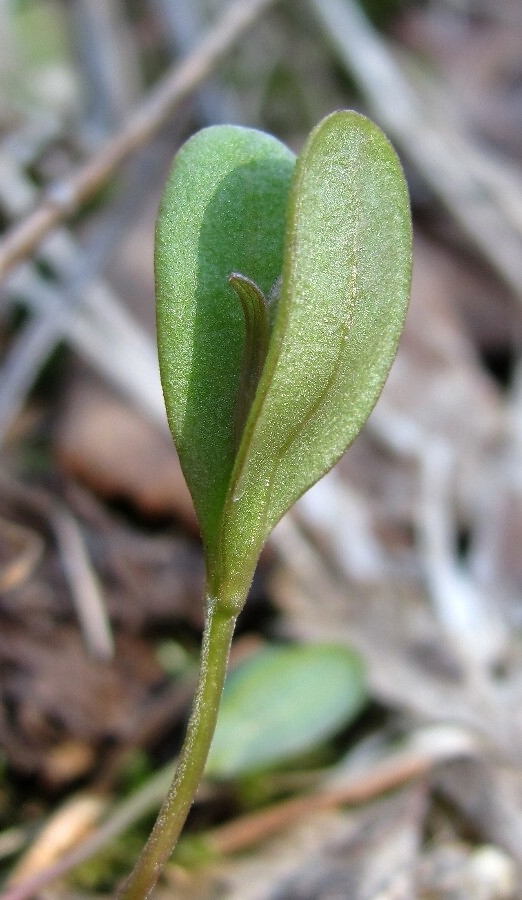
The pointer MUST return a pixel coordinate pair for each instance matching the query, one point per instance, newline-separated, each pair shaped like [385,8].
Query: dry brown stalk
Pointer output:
[64,198]
[248,830]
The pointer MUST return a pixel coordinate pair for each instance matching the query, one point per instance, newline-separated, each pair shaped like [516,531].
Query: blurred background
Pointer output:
[398,773]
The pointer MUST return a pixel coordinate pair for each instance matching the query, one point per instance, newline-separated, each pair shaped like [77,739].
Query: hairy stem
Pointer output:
[217,637]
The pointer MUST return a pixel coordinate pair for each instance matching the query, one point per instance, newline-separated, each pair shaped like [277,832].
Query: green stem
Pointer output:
[217,637]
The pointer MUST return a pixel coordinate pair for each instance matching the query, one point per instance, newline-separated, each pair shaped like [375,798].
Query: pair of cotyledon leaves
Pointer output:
[335,225]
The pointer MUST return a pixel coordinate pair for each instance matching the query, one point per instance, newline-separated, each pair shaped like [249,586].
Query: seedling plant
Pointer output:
[282,286]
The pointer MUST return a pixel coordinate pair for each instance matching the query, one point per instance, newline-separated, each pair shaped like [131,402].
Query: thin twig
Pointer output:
[422,752]
[76,305]
[471,622]
[27,548]
[85,590]
[129,811]
[182,24]
[482,192]
[249,830]
[107,58]
[66,828]
[66,197]
[105,334]
[84,585]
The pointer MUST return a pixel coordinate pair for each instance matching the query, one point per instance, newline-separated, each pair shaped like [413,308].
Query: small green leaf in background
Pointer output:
[282,702]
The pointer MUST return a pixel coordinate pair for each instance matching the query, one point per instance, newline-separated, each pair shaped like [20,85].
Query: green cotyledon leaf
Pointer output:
[282,701]
[237,212]
[344,294]
[223,211]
